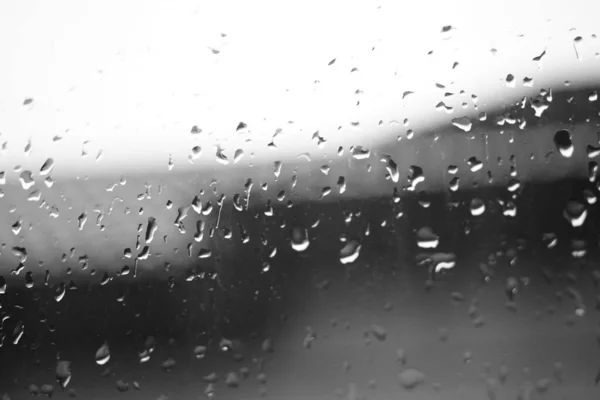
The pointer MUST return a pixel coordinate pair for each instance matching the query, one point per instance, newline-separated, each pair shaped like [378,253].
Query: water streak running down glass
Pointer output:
[353,200]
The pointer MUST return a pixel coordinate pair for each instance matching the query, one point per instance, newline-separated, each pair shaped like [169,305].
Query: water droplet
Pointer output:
[304,156]
[200,352]
[475,164]
[360,153]
[426,238]
[592,151]
[510,80]
[379,332]
[241,126]
[590,197]
[26,180]
[539,58]
[325,192]
[563,142]
[543,385]
[299,238]
[477,207]
[416,176]
[232,380]
[410,379]
[392,169]
[511,287]
[350,252]
[168,364]
[103,354]
[463,123]
[81,220]
[47,167]
[575,212]
[33,390]
[122,386]
[221,157]
[341,184]
[63,373]
[454,184]
[47,390]
[513,185]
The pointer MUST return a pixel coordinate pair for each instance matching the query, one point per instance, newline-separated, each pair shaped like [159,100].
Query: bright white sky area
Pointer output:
[133,77]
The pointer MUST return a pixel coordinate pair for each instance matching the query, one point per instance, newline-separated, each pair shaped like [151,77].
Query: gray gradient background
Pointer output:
[248,305]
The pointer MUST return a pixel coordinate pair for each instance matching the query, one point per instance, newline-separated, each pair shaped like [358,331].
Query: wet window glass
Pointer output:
[299,200]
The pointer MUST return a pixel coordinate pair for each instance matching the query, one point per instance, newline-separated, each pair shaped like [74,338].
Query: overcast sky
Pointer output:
[134,77]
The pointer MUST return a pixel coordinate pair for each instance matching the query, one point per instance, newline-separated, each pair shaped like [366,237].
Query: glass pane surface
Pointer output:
[313,200]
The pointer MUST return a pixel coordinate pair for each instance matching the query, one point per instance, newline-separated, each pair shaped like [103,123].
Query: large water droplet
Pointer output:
[360,153]
[564,143]
[26,180]
[379,332]
[477,207]
[341,184]
[416,176]
[63,373]
[350,252]
[463,123]
[575,212]
[426,238]
[299,238]
[151,229]
[103,354]
[411,378]
[47,167]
